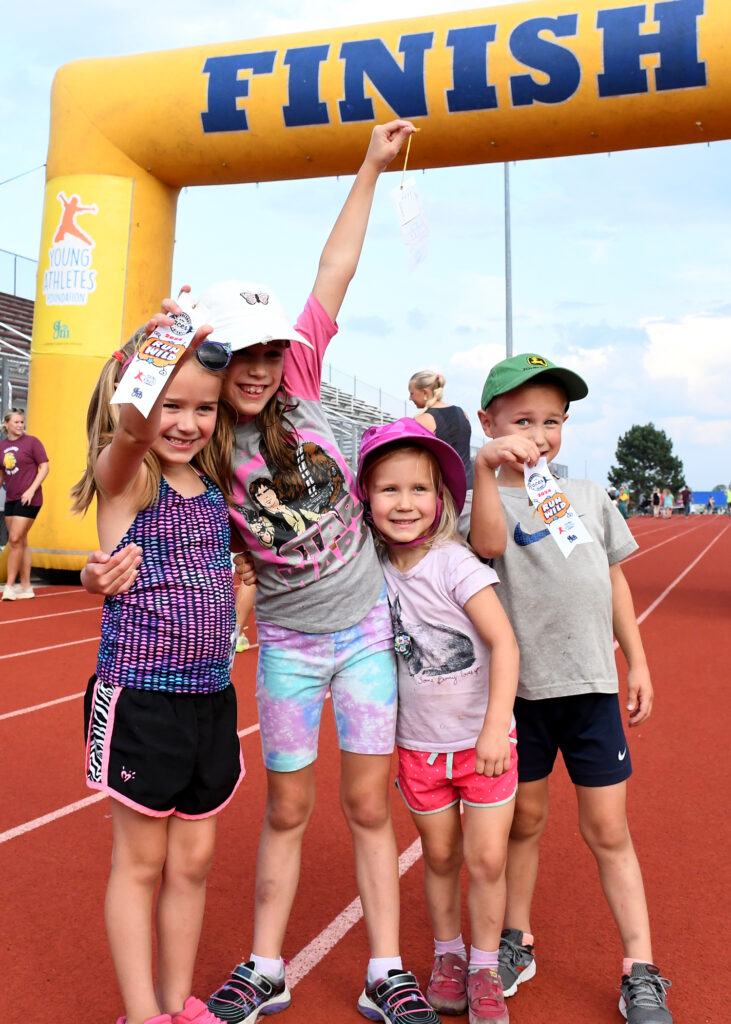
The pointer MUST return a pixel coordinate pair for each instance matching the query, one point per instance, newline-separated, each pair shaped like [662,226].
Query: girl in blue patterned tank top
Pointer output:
[160,712]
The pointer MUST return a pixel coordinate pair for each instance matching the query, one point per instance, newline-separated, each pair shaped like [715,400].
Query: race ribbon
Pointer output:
[148,372]
[554,508]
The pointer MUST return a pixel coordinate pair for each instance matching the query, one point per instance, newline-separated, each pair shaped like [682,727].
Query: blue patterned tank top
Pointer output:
[172,630]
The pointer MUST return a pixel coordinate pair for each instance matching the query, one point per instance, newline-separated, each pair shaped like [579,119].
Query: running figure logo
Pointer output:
[70,210]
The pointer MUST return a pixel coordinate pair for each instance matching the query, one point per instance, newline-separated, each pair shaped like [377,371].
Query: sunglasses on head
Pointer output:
[213,355]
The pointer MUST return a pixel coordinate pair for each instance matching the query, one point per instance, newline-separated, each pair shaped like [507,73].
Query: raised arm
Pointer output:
[340,256]
[488,533]
[118,466]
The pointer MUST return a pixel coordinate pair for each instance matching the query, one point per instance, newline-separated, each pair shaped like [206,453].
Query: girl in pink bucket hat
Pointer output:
[457,677]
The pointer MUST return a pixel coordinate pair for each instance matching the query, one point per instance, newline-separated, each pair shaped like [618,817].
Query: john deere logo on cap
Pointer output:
[536,361]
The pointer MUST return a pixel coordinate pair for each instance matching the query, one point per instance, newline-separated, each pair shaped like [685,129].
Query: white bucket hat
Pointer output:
[243,313]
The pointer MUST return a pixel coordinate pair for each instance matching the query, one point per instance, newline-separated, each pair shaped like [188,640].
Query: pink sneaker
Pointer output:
[195,1012]
[447,988]
[486,999]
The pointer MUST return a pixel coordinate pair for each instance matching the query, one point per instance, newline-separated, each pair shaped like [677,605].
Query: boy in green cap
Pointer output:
[566,604]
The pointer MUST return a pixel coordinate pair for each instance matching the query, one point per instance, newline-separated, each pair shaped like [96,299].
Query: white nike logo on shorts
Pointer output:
[622,754]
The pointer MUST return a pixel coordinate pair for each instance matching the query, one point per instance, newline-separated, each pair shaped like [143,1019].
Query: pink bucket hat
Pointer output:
[407,431]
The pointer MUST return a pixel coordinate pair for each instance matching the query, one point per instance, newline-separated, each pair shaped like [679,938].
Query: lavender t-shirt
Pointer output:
[305,526]
[443,662]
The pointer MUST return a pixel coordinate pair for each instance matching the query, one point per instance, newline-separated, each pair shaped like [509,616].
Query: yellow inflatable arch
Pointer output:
[530,80]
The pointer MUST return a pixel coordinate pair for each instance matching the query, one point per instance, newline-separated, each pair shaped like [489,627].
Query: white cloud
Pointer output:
[695,350]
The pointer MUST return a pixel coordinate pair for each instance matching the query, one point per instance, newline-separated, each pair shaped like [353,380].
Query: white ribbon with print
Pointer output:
[554,508]
[414,226]
[147,374]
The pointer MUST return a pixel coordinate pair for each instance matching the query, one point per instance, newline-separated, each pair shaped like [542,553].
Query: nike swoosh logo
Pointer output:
[622,754]
[523,539]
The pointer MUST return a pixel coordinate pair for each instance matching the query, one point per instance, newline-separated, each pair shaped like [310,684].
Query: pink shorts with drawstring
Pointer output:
[432,782]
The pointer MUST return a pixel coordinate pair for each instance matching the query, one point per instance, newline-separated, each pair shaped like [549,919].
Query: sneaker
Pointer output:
[242,643]
[643,996]
[10,595]
[486,999]
[447,988]
[396,999]
[516,962]
[195,1012]
[24,593]
[246,994]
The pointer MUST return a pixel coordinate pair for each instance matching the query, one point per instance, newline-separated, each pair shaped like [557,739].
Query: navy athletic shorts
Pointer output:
[585,727]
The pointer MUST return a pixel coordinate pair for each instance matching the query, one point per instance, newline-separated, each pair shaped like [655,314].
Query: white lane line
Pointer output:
[52,647]
[79,805]
[677,579]
[52,615]
[63,700]
[314,951]
[644,551]
[46,819]
[40,707]
[658,600]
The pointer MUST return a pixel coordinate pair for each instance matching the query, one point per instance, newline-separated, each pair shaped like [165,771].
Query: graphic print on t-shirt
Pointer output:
[288,502]
[430,650]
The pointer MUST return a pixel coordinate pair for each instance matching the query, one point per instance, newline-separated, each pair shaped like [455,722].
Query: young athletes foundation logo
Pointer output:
[70,278]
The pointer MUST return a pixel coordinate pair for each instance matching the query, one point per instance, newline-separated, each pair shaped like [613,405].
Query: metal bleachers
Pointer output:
[349,417]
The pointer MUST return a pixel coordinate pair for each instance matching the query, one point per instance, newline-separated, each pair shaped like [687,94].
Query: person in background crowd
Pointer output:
[686,496]
[449,423]
[23,468]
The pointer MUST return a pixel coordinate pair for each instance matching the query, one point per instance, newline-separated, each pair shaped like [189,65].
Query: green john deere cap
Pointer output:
[512,373]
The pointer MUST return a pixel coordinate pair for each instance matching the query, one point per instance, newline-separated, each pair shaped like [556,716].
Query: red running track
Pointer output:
[55,834]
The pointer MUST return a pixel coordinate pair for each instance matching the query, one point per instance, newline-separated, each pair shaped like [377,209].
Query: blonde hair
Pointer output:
[447,526]
[214,460]
[7,416]
[432,381]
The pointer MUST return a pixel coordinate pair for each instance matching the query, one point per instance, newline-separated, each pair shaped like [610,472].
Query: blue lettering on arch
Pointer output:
[225,86]
[676,42]
[471,90]
[561,65]
[305,106]
[403,90]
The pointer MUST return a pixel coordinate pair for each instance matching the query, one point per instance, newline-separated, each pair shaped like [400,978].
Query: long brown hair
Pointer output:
[279,435]
[214,460]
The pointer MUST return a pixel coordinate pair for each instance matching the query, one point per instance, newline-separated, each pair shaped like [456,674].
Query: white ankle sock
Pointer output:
[270,968]
[379,966]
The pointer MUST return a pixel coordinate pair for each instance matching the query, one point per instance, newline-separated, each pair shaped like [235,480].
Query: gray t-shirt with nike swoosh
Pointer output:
[561,608]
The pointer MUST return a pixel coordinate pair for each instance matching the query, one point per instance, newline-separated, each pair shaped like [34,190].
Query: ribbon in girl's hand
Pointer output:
[148,372]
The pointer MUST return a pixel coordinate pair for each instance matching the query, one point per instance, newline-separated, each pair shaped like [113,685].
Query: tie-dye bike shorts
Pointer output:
[297,671]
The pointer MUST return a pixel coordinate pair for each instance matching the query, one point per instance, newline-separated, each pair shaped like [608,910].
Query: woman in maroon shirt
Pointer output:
[23,467]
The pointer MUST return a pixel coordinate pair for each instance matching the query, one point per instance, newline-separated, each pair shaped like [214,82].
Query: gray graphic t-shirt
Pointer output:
[305,526]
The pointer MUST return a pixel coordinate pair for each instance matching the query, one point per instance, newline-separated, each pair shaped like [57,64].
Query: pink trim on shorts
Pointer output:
[431,783]
[114,794]
[217,810]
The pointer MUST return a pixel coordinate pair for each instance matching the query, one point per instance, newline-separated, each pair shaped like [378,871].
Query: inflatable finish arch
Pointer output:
[549,78]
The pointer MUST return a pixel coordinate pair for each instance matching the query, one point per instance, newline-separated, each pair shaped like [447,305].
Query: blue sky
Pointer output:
[621,262]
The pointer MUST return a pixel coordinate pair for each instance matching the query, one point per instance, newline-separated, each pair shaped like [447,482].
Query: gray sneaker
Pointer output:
[643,996]
[516,962]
